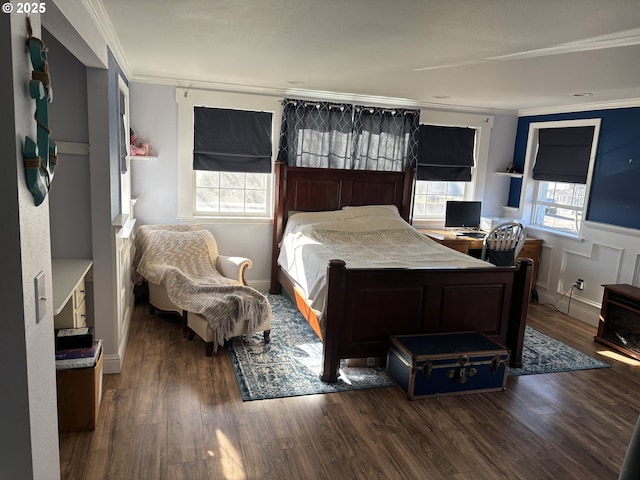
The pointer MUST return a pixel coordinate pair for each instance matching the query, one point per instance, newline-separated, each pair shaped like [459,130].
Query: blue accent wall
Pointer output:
[615,188]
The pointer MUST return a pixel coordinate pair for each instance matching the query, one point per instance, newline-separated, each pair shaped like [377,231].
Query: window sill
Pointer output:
[557,233]
[211,220]
[428,223]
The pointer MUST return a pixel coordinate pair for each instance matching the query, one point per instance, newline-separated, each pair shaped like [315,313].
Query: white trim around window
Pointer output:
[186,100]
[474,190]
[530,186]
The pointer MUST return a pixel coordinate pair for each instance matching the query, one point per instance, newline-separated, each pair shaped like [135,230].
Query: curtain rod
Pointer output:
[392,111]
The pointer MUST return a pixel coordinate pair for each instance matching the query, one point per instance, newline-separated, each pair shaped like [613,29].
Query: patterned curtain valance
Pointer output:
[316,134]
[328,135]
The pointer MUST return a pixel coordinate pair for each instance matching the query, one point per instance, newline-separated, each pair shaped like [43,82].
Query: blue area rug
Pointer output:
[290,365]
[543,354]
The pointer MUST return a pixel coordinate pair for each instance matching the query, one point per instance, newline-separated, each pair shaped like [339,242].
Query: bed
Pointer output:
[362,305]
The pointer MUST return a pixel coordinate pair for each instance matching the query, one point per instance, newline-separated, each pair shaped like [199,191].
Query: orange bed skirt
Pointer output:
[307,312]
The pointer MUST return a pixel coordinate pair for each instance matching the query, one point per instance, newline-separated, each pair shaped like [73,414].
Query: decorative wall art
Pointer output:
[40,157]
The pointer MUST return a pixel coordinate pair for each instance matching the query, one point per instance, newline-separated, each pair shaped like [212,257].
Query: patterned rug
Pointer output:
[543,354]
[290,365]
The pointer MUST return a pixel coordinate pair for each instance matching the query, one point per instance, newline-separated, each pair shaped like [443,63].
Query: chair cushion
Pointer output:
[502,258]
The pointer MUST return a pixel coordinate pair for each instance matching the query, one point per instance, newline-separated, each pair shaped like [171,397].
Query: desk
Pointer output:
[451,240]
[473,246]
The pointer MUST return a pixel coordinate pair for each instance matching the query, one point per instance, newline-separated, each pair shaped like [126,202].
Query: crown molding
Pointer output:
[304,94]
[624,38]
[103,22]
[583,107]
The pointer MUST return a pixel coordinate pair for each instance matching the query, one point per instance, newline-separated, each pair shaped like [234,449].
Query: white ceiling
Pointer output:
[486,54]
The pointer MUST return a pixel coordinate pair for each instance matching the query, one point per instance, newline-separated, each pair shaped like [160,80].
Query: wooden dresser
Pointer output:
[473,246]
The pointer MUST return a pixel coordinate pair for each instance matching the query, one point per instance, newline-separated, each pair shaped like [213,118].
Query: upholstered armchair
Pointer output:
[233,268]
[176,261]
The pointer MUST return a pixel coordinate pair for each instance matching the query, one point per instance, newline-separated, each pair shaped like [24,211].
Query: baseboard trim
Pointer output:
[580,310]
[260,285]
[112,364]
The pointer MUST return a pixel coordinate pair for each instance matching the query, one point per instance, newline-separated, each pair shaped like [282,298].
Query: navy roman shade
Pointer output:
[563,154]
[445,153]
[231,140]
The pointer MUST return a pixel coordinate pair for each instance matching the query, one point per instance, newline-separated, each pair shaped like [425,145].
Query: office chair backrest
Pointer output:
[502,245]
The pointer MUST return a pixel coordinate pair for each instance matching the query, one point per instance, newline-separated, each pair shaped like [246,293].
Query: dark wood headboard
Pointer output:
[321,189]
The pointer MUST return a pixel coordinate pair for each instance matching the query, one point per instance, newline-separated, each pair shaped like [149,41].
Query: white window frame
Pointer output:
[469,187]
[186,100]
[267,191]
[528,197]
[483,124]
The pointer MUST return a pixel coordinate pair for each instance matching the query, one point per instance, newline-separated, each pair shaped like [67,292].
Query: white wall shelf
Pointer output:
[147,158]
[512,175]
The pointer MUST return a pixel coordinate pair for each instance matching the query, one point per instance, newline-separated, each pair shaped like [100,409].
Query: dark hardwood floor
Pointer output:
[175,414]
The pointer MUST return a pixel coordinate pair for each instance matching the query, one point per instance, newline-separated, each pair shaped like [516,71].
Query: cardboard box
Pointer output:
[79,397]
[366,362]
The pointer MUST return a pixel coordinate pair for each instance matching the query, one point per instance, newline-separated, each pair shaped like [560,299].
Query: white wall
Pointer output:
[154,118]
[28,413]
[70,196]
[496,187]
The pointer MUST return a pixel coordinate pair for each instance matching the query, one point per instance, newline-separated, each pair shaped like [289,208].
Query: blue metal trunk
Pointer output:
[439,364]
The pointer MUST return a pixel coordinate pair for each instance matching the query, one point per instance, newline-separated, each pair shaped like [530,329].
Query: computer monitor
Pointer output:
[462,214]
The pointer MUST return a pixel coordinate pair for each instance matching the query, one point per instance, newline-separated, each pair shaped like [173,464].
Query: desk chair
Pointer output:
[502,244]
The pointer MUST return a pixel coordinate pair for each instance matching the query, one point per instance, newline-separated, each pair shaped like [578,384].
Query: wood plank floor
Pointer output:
[175,414]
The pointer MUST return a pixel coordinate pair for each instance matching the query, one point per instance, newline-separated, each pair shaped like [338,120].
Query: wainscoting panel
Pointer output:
[604,260]
[544,268]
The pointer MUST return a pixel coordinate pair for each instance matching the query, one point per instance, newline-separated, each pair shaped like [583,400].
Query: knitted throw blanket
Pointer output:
[183,261]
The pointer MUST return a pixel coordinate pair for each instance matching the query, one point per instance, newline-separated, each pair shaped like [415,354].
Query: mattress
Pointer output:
[364,237]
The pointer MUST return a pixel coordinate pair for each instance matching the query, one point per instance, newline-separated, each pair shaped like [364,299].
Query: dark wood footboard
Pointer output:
[364,307]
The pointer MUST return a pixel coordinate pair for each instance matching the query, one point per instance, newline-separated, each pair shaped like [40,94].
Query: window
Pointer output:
[329,135]
[232,162]
[446,158]
[559,206]
[232,193]
[430,198]
[564,155]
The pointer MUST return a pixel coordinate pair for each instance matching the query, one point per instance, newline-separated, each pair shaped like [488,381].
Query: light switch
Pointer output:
[41,297]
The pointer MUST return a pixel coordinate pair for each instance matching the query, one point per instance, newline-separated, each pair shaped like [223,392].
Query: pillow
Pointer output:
[392,208]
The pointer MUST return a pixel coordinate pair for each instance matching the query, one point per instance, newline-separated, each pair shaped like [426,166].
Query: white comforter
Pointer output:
[364,237]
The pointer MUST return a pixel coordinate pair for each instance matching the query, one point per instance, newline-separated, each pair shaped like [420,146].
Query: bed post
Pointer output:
[332,321]
[519,308]
[407,194]
[280,170]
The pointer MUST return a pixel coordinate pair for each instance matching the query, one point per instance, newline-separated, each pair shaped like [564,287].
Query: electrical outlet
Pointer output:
[580,284]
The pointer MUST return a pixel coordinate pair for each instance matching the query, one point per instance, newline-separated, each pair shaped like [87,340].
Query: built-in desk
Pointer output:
[69,308]
[473,246]
[448,238]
